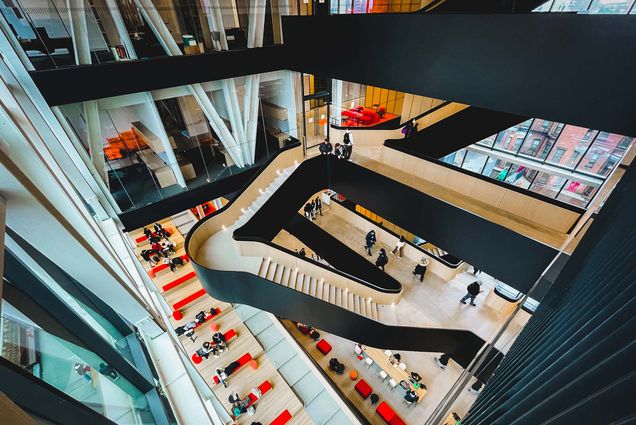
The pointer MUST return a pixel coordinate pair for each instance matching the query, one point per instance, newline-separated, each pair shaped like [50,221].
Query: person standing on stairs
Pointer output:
[370,239]
[406,130]
[382,259]
[399,247]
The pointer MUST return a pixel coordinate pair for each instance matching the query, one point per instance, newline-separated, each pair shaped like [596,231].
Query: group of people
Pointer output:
[313,208]
[342,151]
[215,347]
[244,405]
[383,258]
[188,328]
[161,248]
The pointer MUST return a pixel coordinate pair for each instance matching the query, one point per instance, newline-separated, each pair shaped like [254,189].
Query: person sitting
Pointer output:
[358,349]
[147,232]
[154,239]
[156,247]
[146,254]
[336,366]
[168,261]
[325,147]
[158,227]
[219,340]
[395,359]
[187,330]
[411,396]
[222,376]
[168,244]
[176,262]
[208,348]
[231,368]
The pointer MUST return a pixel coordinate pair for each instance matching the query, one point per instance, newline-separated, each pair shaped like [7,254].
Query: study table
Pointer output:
[382,360]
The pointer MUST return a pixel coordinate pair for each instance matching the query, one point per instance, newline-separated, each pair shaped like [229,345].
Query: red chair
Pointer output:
[363,389]
[323,346]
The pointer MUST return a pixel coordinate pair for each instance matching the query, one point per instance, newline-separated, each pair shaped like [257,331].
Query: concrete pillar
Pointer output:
[79,31]
[336,100]
[95,143]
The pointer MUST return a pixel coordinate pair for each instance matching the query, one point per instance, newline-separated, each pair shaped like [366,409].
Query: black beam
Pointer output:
[459,130]
[563,67]
[79,83]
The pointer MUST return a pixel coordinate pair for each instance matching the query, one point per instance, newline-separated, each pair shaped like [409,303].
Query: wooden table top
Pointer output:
[382,360]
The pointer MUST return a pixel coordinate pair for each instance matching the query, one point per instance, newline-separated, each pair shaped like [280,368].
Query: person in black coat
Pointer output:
[347,144]
[382,259]
[472,291]
[370,240]
[318,205]
[307,210]
[420,269]
[325,147]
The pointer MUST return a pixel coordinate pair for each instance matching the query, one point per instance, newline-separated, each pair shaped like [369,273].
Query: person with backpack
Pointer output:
[370,241]
[347,144]
[472,291]
[382,259]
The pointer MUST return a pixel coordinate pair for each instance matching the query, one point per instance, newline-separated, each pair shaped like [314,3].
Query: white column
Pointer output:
[236,120]
[336,100]
[95,144]
[165,142]
[121,28]
[254,39]
[79,31]
[215,20]
[154,20]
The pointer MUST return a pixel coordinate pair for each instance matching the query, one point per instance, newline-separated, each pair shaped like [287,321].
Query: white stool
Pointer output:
[403,366]
[368,362]
[392,383]
[383,375]
[388,353]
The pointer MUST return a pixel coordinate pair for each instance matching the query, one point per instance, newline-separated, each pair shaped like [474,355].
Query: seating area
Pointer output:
[174,283]
[153,272]
[227,337]
[388,414]
[242,361]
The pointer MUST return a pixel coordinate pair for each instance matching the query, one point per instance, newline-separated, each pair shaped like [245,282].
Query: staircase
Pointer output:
[318,288]
[264,196]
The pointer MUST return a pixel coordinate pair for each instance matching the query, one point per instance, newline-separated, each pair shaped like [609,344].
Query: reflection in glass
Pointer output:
[615,7]
[607,150]
[569,5]
[474,161]
[511,139]
[455,158]
[540,138]
[547,184]
[520,176]
[571,145]
[488,141]
[576,193]
[71,368]
[496,168]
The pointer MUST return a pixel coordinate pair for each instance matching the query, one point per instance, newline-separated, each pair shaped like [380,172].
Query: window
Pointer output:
[511,139]
[607,150]
[474,161]
[540,138]
[455,158]
[558,155]
[576,193]
[569,5]
[614,7]
[496,168]
[547,184]
[488,141]
[519,176]
[572,142]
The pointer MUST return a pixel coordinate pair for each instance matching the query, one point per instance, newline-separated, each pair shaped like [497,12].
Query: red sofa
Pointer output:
[388,414]
[282,419]
[323,346]
[362,115]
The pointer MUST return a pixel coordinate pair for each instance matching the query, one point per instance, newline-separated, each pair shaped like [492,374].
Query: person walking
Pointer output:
[399,247]
[420,269]
[382,259]
[347,143]
[472,291]
[370,239]
[318,205]
[442,361]
[325,147]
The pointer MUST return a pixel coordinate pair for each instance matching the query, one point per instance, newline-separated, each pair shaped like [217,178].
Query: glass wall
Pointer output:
[150,146]
[549,153]
[44,30]
[615,7]
[364,106]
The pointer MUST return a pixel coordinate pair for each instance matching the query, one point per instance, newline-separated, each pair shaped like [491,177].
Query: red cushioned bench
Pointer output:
[390,417]
[184,302]
[363,388]
[264,387]
[141,239]
[243,360]
[283,418]
[183,279]
[161,267]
